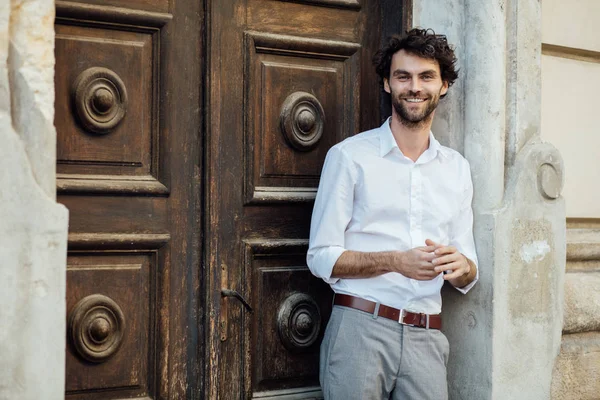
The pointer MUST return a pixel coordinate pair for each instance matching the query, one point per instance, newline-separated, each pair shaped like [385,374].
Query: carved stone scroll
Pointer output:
[550,180]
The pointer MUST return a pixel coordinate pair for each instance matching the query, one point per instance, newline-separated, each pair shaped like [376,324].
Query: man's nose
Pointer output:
[415,85]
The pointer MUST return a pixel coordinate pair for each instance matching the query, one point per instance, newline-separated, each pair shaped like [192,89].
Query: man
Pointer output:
[392,221]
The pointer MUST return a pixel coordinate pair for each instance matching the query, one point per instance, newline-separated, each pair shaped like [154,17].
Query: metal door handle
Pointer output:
[233,293]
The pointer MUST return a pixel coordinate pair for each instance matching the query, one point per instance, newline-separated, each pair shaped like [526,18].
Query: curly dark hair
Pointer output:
[420,42]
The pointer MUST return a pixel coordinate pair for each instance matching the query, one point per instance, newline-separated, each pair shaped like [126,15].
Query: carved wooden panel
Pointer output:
[291,309]
[107,102]
[160,6]
[110,316]
[116,214]
[319,19]
[300,93]
[351,4]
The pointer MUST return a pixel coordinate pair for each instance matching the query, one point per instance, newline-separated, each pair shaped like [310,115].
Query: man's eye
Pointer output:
[427,77]
[403,77]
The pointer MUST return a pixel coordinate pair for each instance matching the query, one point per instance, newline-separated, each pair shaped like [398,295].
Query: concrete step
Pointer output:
[583,250]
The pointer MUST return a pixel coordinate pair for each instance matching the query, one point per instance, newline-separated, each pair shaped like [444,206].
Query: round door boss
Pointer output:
[298,322]
[96,327]
[100,99]
[301,120]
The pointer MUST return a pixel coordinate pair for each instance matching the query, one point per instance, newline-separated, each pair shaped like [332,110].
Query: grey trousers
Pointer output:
[366,358]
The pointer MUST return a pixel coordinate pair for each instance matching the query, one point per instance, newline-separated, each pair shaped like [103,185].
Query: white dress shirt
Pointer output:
[373,198]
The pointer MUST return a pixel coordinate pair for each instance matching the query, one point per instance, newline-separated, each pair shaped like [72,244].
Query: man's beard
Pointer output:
[414,119]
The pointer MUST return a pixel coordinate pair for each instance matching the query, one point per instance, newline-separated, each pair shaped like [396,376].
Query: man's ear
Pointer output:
[445,87]
[386,85]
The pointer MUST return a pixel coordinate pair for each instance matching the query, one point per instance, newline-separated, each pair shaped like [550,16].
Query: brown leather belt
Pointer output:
[404,317]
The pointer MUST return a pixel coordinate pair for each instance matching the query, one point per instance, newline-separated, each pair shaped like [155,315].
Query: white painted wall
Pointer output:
[570,121]
[572,23]
[570,100]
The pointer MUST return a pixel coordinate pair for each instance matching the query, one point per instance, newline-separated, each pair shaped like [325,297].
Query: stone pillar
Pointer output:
[505,334]
[33,231]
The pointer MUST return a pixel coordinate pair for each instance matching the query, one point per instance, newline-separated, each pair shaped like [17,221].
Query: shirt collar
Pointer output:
[387,143]
[386,138]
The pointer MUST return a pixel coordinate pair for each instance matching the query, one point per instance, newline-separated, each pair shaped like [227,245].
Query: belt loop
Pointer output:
[427,323]
[376,311]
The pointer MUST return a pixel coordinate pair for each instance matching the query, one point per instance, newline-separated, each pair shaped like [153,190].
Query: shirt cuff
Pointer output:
[322,261]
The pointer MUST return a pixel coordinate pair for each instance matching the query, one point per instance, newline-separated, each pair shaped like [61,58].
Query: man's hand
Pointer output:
[416,263]
[459,270]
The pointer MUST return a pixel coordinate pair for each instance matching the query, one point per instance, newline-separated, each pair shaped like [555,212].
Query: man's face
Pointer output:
[415,85]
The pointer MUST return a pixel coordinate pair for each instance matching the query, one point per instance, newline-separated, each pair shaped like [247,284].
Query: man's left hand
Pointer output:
[449,259]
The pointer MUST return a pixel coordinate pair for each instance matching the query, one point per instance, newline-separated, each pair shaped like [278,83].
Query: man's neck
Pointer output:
[412,140]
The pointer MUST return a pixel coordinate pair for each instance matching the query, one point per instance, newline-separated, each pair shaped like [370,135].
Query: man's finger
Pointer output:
[448,268]
[427,276]
[445,259]
[427,249]
[427,265]
[429,257]
[430,242]
[445,250]
[456,271]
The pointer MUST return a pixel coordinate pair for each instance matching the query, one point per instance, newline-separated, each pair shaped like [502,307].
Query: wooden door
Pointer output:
[129,122]
[287,80]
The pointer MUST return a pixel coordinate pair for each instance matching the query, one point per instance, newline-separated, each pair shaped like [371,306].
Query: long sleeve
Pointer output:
[462,227]
[331,214]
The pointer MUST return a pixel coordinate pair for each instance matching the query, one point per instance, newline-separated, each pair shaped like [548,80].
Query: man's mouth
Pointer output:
[414,100]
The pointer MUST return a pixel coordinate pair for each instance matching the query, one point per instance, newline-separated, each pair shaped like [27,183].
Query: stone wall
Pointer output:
[505,334]
[33,231]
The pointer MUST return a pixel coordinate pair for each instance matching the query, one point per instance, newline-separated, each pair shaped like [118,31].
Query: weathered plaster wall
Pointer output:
[505,334]
[33,231]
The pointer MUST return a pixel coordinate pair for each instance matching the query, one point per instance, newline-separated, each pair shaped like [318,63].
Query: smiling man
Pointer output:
[392,221]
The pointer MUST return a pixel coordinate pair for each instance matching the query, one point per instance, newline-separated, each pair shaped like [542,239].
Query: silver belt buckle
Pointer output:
[401,318]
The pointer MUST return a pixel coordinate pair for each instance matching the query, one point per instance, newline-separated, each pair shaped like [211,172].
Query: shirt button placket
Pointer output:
[413,205]
[417,234]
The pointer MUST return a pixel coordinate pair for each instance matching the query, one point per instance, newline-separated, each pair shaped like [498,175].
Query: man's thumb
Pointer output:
[429,242]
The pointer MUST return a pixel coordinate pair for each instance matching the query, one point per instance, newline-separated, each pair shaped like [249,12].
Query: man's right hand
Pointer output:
[416,263]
